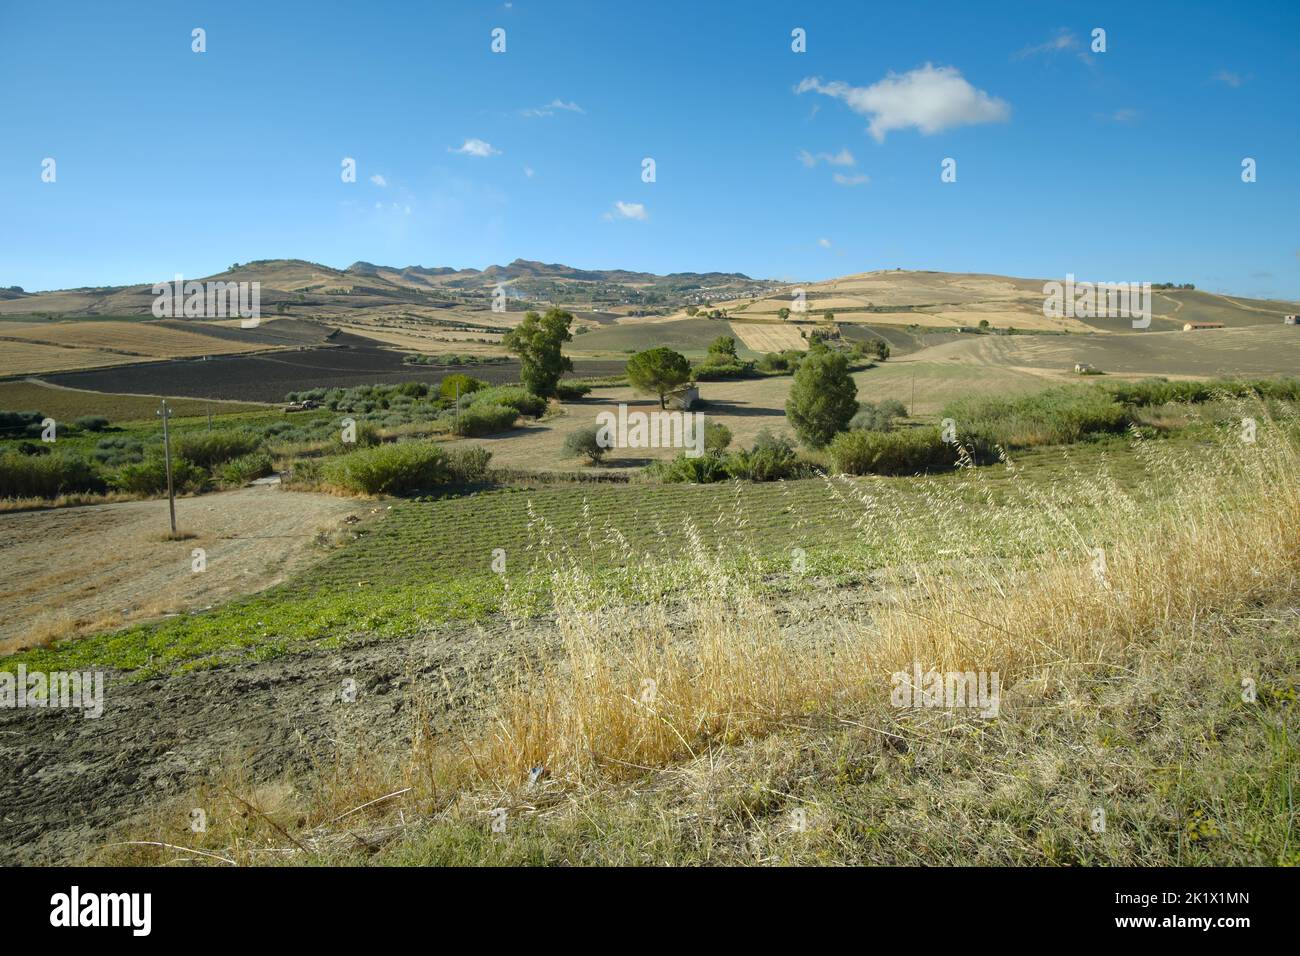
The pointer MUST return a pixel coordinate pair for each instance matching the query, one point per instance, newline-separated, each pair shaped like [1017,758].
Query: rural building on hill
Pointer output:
[1194,326]
[1290,320]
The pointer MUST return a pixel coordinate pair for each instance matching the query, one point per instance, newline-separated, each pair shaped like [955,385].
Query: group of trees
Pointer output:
[823,396]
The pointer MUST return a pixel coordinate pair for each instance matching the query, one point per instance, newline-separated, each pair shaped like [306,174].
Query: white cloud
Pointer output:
[550,108]
[930,98]
[379,181]
[842,158]
[851,179]
[528,171]
[1064,40]
[824,243]
[475,147]
[1228,78]
[628,210]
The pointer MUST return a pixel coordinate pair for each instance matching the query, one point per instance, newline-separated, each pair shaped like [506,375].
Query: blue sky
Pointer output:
[1123,165]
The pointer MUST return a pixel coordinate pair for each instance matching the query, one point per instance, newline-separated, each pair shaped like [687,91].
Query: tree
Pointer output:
[659,370]
[881,348]
[823,397]
[828,315]
[783,313]
[692,310]
[538,341]
[724,345]
[458,384]
[585,443]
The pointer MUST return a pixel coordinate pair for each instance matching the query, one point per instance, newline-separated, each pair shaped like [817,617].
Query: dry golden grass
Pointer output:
[765,337]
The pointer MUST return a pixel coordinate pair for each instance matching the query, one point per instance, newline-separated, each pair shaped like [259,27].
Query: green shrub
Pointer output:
[908,452]
[468,465]
[459,384]
[771,458]
[571,391]
[389,469]
[47,476]
[149,477]
[245,468]
[704,470]
[1056,416]
[520,399]
[717,436]
[367,436]
[209,449]
[113,452]
[584,443]
[91,423]
[877,416]
[486,419]
[719,367]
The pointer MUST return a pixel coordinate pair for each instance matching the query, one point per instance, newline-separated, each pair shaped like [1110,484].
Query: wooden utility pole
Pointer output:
[165,413]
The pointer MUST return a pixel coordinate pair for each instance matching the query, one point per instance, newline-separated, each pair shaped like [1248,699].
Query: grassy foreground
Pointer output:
[708,711]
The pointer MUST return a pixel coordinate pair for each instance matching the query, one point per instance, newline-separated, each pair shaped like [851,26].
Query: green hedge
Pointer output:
[390,469]
[47,476]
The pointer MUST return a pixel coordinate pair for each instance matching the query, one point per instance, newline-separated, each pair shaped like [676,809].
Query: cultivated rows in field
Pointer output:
[440,539]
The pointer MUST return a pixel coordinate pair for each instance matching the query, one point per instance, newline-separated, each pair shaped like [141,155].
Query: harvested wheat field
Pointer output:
[71,570]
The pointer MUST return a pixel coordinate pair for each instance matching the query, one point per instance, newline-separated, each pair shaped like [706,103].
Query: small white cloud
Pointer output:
[1228,78]
[1062,41]
[930,99]
[528,171]
[851,179]
[628,210]
[379,181]
[475,147]
[550,108]
[842,158]
[824,243]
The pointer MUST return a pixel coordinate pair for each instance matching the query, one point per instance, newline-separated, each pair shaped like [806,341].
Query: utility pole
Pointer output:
[165,413]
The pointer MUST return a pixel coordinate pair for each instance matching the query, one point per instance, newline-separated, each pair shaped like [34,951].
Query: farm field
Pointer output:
[64,404]
[31,348]
[762,337]
[1259,350]
[75,570]
[268,378]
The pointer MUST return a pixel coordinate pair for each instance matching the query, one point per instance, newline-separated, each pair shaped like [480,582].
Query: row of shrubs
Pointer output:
[122,464]
[1058,416]
[28,424]
[405,467]
[771,458]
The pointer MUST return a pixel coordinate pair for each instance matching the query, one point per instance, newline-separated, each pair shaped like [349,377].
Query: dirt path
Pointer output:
[69,570]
